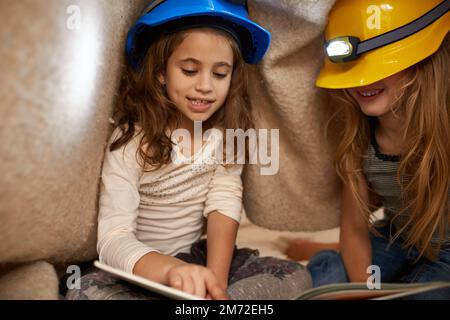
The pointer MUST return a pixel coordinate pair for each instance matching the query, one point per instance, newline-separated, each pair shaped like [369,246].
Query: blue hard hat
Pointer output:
[167,16]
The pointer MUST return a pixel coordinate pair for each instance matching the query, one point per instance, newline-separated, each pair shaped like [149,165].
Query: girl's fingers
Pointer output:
[199,286]
[198,281]
[176,282]
[214,289]
[188,284]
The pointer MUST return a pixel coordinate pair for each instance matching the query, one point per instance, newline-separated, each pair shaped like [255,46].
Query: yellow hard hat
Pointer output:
[369,40]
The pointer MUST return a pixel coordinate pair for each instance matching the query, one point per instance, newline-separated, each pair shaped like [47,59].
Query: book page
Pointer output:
[359,291]
[153,286]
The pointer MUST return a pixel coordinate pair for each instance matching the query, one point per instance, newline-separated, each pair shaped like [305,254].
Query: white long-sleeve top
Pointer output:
[161,210]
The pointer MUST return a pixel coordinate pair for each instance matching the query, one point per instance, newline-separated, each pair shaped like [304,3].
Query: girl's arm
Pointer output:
[221,237]
[117,244]
[223,209]
[156,267]
[355,243]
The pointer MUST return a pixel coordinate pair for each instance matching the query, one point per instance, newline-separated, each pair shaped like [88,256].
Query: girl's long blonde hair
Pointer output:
[424,169]
[143,103]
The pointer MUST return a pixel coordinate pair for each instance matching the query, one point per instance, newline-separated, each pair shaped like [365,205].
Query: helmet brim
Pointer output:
[386,61]
[253,53]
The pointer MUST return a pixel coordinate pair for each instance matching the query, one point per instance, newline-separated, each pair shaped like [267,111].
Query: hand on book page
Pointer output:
[153,286]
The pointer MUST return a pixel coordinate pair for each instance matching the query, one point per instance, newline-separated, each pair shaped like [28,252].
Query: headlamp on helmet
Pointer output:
[347,48]
[342,49]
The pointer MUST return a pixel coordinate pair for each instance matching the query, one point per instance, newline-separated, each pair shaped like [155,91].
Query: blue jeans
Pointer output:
[396,264]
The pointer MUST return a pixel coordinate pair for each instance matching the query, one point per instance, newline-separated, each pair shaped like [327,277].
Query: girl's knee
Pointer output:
[327,267]
[322,257]
[271,285]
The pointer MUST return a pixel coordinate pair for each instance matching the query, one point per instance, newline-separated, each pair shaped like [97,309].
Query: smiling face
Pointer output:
[198,74]
[376,99]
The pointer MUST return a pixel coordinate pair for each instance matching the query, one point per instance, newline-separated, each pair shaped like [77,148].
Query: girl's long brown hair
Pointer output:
[424,169]
[143,105]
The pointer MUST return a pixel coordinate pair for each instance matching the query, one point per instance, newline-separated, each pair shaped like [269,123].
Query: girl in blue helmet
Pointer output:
[185,69]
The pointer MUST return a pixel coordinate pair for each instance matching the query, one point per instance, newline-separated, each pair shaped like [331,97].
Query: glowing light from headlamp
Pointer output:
[386,7]
[338,48]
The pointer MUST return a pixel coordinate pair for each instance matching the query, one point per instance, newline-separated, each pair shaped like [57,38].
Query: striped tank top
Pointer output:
[380,171]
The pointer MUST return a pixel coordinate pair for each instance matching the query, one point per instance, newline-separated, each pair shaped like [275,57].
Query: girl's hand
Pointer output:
[196,280]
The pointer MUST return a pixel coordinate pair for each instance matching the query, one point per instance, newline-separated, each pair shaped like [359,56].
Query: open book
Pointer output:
[339,291]
[360,291]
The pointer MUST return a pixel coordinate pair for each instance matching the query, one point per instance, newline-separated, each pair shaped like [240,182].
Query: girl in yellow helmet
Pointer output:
[389,66]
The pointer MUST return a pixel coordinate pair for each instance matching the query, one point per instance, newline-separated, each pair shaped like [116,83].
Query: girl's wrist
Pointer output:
[221,276]
[176,263]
